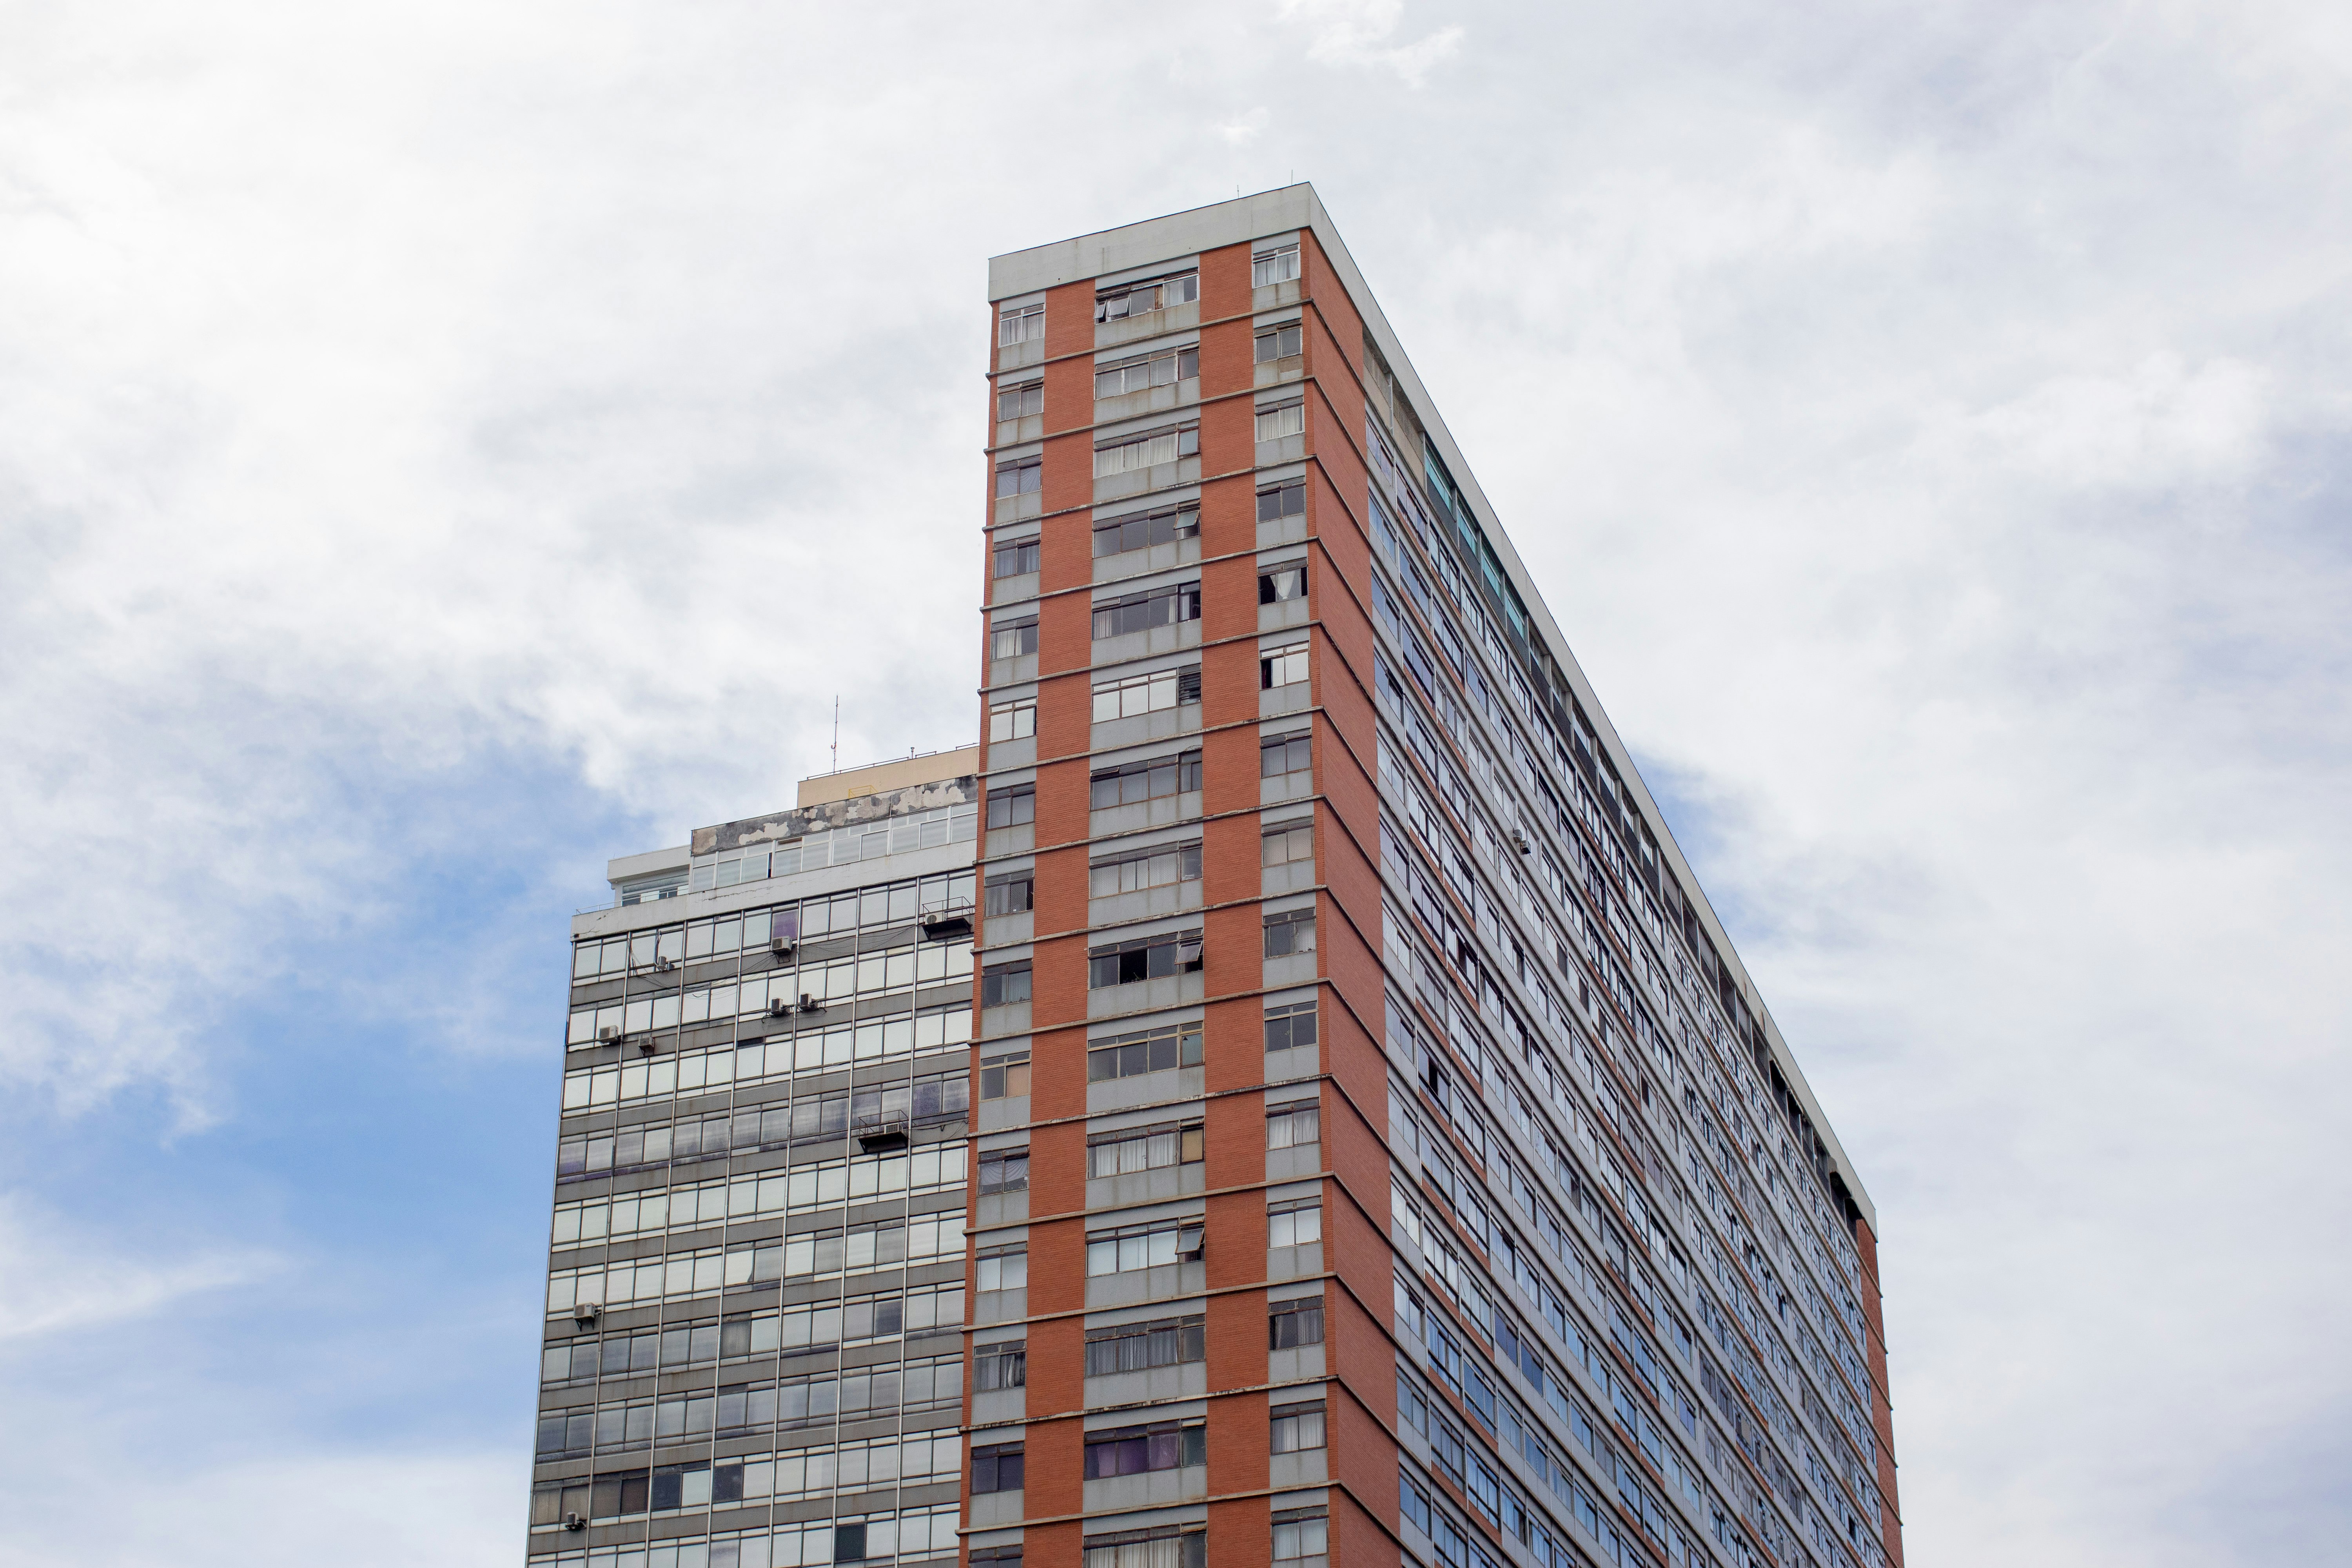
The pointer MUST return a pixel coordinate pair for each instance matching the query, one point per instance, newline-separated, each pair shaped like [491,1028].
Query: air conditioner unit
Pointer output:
[776,1006]
[608,1031]
[575,1521]
[648,1045]
[586,1312]
[945,919]
[1519,842]
[880,1132]
[781,946]
[664,966]
[810,1004]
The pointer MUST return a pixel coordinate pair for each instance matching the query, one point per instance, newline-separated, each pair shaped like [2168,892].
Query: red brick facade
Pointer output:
[1359,1264]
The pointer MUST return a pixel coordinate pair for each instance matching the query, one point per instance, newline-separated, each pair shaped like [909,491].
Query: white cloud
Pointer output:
[53,1277]
[1245,128]
[1356,33]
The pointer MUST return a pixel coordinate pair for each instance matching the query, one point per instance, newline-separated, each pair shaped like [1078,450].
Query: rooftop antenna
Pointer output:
[837,732]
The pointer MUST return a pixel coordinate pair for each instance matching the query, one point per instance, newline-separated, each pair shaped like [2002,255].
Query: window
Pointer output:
[1151,1246]
[1124,299]
[1002,1268]
[1292,1126]
[1010,640]
[1280,265]
[1118,535]
[1145,694]
[1295,1322]
[1282,342]
[1281,584]
[1169,1546]
[621,1494]
[1281,500]
[1295,1223]
[1020,402]
[1133,1450]
[1021,475]
[550,1502]
[1005,1170]
[1144,869]
[1005,1076]
[1297,1426]
[1012,806]
[1287,1028]
[1278,667]
[1292,932]
[997,1469]
[1133,782]
[1002,985]
[1124,454]
[1014,720]
[1298,1532]
[1004,1364]
[1012,892]
[688,1344]
[567,1431]
[1164,368]
[1276,756]
[1277,420]
[997,1556]
[1021,325]
[1138,1347]
[1291,841]
[1154,607]
[695,1486]
[1152,1051]
[1131,1149]
[1143,958]
[1016,558]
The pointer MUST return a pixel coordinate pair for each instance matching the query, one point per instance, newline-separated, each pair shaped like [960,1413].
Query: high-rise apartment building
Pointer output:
[754,1352]
[1411,1169]
[1328,1125]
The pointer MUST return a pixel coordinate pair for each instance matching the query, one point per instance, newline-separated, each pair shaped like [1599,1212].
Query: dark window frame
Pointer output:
[1002,1159]
[1182,770]
[1288,340]
[1269,584]
[1011,804]
[1294,747]
[1289,1017]
[1140,531]
[1169,604]
[1154,957]
[1145,1051]
[997,1468]
[1293,1322]
[1024,553]
[998,981]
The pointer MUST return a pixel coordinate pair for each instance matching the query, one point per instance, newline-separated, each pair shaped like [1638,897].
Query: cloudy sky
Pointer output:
[445,445]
